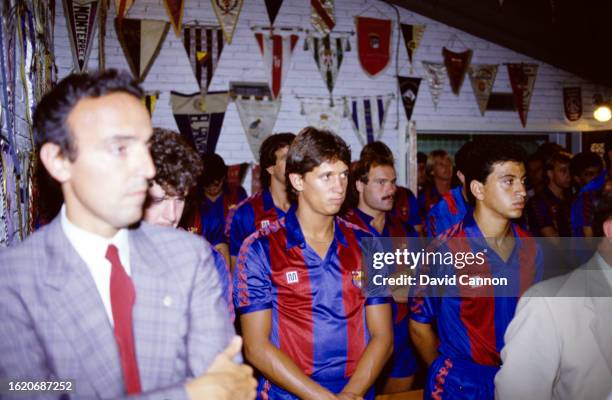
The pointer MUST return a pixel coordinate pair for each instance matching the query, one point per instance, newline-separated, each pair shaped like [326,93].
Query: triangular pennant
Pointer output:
[277,51]
[482,77]
[203,46]
[200,118]
[328,53]
[456,66]
[174,8]
[322,15]
[323,115]
[572,103]
[122,7]
[368,115]
[409,89]
[150,101]
[435,73]
[373,44]
[258,116]
[272,6]
[236,173]
[413,34]
[81,22]
[227,12]
[141,40]
[522,78]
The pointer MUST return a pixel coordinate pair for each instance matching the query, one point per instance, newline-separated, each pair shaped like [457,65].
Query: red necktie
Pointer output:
[123,296]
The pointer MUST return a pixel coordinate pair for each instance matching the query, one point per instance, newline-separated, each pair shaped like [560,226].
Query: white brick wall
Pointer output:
[241,61]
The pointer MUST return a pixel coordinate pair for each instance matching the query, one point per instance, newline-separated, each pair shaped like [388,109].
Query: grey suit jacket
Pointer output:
[53,324]
[559,344]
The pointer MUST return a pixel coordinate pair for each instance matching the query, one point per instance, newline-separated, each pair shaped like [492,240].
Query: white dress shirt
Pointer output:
[92,249]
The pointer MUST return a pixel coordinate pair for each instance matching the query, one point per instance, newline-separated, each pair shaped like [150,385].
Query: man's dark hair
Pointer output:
[486,154]
[584,160]
[463,156]
[603,212]
[214,169]
[267,154]
[378,148]
[177,164]
[311,148]
[560,157]
[372,155]
[50,117]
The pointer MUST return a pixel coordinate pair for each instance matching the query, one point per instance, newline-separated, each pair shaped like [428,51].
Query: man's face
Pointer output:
[106,185]
[323,189]
[378,193]
[277,171]
[535,171]
[163,208]
[560,175]
[442,169]
[214,189]
[504,190]
[588,175]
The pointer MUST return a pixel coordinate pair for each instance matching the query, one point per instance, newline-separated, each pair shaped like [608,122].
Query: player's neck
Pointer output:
[556,190]
[378,216]
[315,226]
[279,195]
[491,224]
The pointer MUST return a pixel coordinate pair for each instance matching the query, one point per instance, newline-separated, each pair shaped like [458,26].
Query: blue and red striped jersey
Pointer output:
[394,227]
[318,308]
[252,214]
[449,211]
[213,213]
[583,206]
[471,320]
[545,209]
[427,198]
[406,207]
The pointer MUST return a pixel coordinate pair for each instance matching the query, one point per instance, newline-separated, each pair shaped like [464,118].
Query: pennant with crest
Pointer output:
[322,15]
[81,22]
[413,34]
[373,44]
[150,100]
[522,79]
[368,115]
[227,12]
[141,41]
[572,103]
[258,116]
[204,45]
[272,7]
[276,48]
[122,7]
[323,115]
[482,78]
[328,52]
[175,8]
[200,118]
[457,65]
[435,74]
[409,90]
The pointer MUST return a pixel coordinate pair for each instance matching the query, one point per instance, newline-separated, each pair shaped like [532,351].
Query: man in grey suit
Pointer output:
[117,310]
[559,344]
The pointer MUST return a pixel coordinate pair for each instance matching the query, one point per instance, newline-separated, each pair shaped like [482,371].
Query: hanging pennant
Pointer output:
[272,6]
[435,74]
[409,89]
[200,118]
[482,78]
[236,173]
[227,12]
[413,34]
[373,44]
[328,53]
[150,101]
[174,8]
[323,115]
[368,116]
[572,103]
[322,15]
[122,7]
[277,51]
[141,40]
[456,66]
[258,116]
[81,18]
[522,79]
[203,46]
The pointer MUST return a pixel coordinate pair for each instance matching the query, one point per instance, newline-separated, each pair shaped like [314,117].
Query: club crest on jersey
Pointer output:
[292,277]
[265,223]
[357,278]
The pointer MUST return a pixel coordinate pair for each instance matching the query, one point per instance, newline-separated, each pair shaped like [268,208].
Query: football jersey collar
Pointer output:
[295,237]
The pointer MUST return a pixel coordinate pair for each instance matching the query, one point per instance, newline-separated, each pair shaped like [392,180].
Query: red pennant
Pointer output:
[522,79]
[457,65]
[373,44]
[174,8]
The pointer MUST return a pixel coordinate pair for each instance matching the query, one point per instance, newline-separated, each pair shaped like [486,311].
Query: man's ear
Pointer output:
[56,163]
[477,189]
[607,228]
[270,169]
[359,185]
[460,176]
[297,181]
